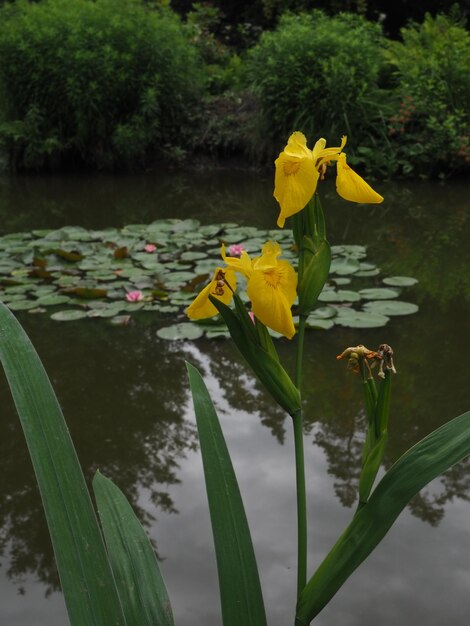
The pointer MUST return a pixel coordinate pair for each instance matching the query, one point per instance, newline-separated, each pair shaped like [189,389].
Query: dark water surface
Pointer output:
[124,393]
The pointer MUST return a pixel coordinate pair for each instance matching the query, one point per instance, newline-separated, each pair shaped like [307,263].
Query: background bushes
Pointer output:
[111,84]
[99,83]
[429,130]
[320,75]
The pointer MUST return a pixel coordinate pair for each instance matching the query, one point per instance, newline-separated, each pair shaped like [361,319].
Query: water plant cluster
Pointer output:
[73,273]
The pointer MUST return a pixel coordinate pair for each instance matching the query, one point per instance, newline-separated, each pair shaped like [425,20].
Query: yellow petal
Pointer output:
[272,294]
[329,154]
[351,186]
[202,307]
[294,184]
[268,259]
[242,264]
[297,146]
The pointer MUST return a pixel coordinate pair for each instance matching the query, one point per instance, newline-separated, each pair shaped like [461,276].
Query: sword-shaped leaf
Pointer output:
[426,460]
[85,574]
[240,589]
[139,581]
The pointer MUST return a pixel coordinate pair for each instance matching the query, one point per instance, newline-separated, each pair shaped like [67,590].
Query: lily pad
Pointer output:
[344,266]
[342,295]
[400,281]
[378,293]
[183,331]
[323,324]
[69,315]
[391,307]
[52,300]
[323,312]
[193,256]
[21,305]
[360,319]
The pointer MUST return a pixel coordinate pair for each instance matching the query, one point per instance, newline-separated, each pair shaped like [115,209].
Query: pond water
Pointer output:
[124,394]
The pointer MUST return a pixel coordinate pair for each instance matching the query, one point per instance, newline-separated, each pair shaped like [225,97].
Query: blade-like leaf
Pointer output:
[433,455]
[240,590]
[85,574]
[139,581]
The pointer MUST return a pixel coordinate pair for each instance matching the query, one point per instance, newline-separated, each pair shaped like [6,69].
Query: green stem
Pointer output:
[301,503]
[300,470]
[300,351]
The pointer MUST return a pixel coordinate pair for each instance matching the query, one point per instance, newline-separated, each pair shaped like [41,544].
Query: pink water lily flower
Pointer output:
[134,296]
[236,249]
[150,247]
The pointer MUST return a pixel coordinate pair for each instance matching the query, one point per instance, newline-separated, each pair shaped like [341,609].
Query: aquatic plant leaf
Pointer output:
[78,546]
[344,266]
[342,295]
[135,567]
[52,300]
[367,273]
[321,324]
[88,293]
[391,307]
[426,460]
[324,312]
[22,305]
[400,281]
[240,589]
[69,315]
[185,330]
[378,293]
[360,319]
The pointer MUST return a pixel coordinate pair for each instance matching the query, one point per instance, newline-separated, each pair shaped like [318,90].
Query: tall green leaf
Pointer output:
[85,574]
[433,455]
[135,566]
[240,589]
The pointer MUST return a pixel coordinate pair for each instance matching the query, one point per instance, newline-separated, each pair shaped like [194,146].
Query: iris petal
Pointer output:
[272,292]
[202,307]
[352,187]
[294,184]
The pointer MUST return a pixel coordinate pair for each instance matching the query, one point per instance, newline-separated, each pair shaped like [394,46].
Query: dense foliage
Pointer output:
[98,83]
[318,74]
[430,130]
[119,83]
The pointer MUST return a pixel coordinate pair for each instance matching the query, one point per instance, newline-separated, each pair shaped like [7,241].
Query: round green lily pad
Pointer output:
[323,312]
[52,300]
[391,307]
[183,331]
[342,295]
[69,315]
[360,319]
[400,281]
[323,324]
[378,293]
[344,266]
[193,256]
[22,305]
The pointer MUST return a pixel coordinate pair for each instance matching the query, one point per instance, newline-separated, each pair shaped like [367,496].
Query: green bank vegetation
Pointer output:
[122,84]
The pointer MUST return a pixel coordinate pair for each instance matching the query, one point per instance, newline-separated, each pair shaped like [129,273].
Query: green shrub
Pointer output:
[320,75]
[97,83]
[429,130]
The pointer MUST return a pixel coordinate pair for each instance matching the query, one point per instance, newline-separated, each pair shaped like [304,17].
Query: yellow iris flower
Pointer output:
[298,170]
[221,287]
[271,287]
